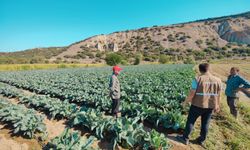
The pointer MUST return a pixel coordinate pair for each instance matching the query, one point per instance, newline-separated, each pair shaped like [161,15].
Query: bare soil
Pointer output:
[9,142]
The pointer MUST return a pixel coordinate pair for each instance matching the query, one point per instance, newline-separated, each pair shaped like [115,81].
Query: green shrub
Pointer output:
[171,38]
[224,48]
[164,59]
[81,55]
[33,61]
[137,60]
[124,62]
[189,50]
[113,59]
[61,66]
[25,67]
[90,55]
[199,42]
[98,54]
[189,60]
[147,59]
[67,56]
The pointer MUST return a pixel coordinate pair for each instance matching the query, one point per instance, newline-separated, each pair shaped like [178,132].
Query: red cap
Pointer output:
[117,68]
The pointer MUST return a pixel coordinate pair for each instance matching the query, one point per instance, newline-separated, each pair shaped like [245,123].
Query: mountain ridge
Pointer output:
[227,32]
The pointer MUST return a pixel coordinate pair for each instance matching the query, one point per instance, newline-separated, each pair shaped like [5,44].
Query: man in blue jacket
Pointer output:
[234,84]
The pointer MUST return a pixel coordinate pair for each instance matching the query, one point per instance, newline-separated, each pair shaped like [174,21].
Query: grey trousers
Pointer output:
[232,103]
[115,106]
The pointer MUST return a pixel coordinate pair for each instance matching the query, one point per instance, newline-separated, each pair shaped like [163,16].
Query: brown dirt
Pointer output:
[26,92]
[54,127]
[176,145]
[14,101]
[9,142]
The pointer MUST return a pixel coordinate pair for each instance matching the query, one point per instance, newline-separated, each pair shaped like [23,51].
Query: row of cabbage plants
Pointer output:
[126,132]
[24,121]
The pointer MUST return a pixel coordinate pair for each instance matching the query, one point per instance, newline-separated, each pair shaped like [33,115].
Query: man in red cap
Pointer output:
[115,92]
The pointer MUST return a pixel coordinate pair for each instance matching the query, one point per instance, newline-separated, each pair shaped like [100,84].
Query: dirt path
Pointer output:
[176,145]
[54,127]
[9,142]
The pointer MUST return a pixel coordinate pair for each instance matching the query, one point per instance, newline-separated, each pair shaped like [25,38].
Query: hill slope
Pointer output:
[203,39]
[36,55]
[217,32]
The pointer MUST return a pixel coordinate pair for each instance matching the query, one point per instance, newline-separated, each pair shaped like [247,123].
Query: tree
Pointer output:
[164,59]
[33,61]
[113,59]
[224,48]
[137,60]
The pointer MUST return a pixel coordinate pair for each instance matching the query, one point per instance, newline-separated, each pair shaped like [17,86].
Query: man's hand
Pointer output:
[184,104]
[188,98]
[217,109]
[110,93]
[240,89]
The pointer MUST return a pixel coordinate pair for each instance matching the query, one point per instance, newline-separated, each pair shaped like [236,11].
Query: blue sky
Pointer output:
[42,23]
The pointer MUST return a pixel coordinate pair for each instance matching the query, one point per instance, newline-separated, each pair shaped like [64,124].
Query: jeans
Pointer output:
[232,103]
[193,114]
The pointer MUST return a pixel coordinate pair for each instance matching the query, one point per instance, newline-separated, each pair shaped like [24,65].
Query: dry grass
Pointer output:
[13,67]
[231,61]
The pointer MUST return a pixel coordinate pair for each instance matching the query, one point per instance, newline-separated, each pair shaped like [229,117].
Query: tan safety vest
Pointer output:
[207,92]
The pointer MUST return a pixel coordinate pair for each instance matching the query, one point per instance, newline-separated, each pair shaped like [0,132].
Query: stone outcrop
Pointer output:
[232,32]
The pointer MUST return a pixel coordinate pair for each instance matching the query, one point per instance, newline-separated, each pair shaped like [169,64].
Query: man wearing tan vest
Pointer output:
[205,99]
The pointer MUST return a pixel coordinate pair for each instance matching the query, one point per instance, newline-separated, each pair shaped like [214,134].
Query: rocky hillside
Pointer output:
[197,35]
[212,38]
[36,55]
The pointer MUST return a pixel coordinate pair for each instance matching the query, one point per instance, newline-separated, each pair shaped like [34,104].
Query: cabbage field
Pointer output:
[151,99]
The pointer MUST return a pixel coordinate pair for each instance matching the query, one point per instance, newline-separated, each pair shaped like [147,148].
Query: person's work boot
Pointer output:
[119,114]
[199,142]
[236,116]
[115,115]
[182,140]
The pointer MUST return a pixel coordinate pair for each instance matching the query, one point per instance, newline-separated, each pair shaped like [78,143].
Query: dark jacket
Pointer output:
[233,83]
